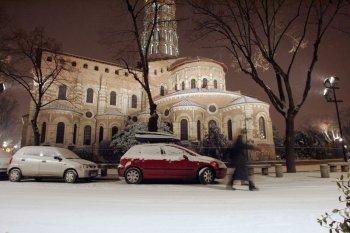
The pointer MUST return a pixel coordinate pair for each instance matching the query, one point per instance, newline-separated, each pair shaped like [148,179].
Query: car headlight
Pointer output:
[214,164]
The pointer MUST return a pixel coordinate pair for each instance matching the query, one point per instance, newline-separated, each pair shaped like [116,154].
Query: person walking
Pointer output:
[238,159]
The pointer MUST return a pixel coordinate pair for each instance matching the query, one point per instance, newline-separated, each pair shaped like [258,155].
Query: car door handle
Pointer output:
[44,161]
[23,160]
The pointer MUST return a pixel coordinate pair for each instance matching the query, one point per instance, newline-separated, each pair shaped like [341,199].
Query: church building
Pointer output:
[94,102]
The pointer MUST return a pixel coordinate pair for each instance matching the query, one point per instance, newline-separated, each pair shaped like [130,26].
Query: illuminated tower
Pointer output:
[164,42]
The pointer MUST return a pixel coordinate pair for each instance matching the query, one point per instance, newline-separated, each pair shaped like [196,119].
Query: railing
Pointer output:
[302,153]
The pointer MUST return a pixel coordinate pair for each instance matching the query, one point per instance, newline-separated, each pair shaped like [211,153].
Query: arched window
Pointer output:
[89,95]
[43,132]
[205,83]
[211,123]
[262,128]
[100,135]
[229,130]
[62,92]
[114,131]
[199,136]
[134,101]
[74,141]
[183,85]
[162,91]
[215,84]
[113,98]
[60,132]
[87,135]
[193,83]
[175,87]
[184,130]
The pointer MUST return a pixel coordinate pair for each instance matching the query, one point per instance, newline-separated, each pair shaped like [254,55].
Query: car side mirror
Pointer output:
[58,158]
[185,157]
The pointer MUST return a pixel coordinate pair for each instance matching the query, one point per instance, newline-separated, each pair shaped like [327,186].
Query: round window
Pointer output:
[166,112]
[212,108]
[88,114]
[134,118]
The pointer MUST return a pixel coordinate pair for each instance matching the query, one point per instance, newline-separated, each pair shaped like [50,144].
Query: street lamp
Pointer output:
[329,93]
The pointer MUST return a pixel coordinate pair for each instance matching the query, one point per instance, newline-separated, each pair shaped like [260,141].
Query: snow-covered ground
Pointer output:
[288,204]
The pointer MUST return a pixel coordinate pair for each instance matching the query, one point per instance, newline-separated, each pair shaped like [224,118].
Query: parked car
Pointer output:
[168,161]
[4,161]
[44,161]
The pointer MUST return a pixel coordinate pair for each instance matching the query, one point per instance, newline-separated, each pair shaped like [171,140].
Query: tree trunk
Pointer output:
[34,123]
[153,119]
[289,144]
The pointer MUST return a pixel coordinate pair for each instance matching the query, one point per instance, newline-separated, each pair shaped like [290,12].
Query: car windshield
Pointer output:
[67,154]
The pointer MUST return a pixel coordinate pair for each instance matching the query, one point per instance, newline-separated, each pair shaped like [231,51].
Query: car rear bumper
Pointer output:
[220,173]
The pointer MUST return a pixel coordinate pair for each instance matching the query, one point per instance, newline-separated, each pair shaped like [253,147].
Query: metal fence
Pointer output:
[302,153]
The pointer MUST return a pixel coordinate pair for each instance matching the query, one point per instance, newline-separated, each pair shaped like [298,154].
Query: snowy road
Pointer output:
[288,204]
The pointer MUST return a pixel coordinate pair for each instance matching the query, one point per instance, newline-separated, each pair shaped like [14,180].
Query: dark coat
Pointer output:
[237,158]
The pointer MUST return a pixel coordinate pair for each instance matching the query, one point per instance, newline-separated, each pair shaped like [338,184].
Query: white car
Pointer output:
[44,161]
[4,161]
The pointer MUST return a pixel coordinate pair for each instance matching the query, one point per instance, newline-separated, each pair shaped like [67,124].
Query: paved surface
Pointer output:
[288,204]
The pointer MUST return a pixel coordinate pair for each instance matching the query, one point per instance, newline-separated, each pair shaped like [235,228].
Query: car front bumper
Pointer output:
[88,173]
[3,170]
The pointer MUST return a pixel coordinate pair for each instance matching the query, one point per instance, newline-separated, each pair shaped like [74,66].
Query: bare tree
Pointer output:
[269,35]
[22,62]
[140,46]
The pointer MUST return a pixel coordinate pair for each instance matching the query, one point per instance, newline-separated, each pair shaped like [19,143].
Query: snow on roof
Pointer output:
[113,112]
[186,60]
[186,103]
[246,99]
[61,105]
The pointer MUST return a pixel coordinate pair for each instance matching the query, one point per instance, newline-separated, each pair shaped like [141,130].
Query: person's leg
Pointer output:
[230,181]
[252,186]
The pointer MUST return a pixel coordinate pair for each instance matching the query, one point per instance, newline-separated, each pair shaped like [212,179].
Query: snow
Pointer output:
[288,204]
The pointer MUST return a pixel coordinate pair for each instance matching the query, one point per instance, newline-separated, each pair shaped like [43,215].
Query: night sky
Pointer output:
[83,27]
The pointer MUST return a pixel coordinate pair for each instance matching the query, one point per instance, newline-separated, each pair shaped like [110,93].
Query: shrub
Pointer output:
[339,219]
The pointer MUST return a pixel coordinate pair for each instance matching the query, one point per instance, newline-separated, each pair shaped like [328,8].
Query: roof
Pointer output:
[246,99]
[186,103]
[187,60]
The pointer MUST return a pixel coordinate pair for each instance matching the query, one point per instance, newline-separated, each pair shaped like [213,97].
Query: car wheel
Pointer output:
[15,175]
[70,176]
[206,176]
[133,176]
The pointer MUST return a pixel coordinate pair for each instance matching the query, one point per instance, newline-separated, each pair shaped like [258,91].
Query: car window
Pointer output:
[173,151]
[151,150]
[65,153]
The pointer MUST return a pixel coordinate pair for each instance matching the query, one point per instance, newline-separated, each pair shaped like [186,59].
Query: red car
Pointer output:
[168,161]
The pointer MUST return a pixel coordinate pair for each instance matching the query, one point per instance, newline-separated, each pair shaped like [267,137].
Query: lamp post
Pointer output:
[329,92]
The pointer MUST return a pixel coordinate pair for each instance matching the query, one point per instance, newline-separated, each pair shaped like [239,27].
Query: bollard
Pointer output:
[250,171]
[279,170]
[265,171]
[103,172]
[345,168]
[324,168]
[333,168]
